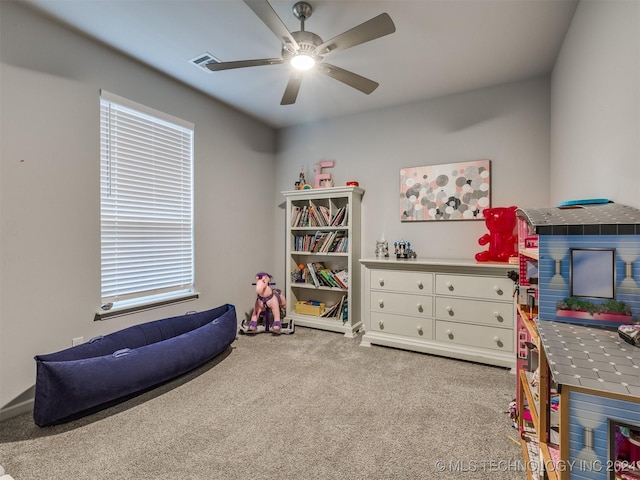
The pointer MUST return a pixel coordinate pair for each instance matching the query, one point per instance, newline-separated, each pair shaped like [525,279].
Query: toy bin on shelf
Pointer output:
[305,308]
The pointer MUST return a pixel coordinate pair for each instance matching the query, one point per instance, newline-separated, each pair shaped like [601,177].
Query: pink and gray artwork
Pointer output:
[454,191]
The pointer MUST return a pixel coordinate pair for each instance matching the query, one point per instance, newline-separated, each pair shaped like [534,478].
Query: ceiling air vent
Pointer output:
[201,61]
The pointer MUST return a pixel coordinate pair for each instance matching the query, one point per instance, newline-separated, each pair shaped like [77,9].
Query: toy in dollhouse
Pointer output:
[269,310]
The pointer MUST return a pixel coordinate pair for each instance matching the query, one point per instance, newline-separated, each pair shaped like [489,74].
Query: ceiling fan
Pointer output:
[305,50]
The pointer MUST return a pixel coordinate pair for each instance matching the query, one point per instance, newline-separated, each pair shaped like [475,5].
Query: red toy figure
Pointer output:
[267,298]
[501,222]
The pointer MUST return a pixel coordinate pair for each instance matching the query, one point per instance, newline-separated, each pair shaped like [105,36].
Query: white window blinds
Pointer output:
[146,192]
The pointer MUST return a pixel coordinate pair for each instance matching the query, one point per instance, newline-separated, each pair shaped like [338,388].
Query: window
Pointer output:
[146,207]
[592,272]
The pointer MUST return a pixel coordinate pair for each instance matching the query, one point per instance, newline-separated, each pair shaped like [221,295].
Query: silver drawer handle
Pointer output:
[496,339]
[420,286]
[419,307]
[498,316]
[381,324]
[450,285]
[449,309]
[381,281]
[449,334]
[419,328]
[381,303]
[497,289]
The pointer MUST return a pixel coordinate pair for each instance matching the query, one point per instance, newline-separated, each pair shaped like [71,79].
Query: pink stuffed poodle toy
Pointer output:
[267,298]
[501,222]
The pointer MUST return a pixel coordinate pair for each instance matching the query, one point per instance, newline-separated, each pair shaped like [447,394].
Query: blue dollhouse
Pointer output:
[587,277]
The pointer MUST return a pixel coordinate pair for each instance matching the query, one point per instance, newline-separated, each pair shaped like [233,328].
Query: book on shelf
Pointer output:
[336,311]
[326,214]
[340,218]
[315,217]
[320,215]
[344,310]
[295,215]
[327,242]
[322,275]
[318,241]
[312,274]
[299,216]
[321,242]
[339,241]
[342,276]
[327,276]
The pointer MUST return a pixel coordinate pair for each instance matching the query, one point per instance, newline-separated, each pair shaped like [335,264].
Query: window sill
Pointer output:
[126,310]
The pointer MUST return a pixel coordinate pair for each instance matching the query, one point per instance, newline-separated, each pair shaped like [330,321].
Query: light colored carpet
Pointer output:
[313,405]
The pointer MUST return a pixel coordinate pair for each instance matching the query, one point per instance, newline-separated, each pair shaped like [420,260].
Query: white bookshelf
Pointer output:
[330,201]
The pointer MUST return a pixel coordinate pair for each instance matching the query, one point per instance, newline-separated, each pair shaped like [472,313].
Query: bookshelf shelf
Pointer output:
[321,287]
[320,254]
[323,236]
[315,229]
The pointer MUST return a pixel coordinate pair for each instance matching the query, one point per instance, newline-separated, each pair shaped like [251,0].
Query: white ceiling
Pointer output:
[440,47]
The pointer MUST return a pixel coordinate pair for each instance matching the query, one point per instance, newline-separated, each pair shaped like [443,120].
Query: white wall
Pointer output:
[595,114]
[50,80]
[508,124]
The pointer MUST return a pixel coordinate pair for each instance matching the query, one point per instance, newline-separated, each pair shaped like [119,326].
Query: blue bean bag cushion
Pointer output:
[109,369]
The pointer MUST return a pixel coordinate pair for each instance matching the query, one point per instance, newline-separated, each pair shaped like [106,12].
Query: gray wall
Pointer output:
[50,81]
[595,105]
[508,124]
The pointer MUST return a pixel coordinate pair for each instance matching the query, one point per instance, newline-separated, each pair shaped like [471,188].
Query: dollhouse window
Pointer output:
[592,272]
[624,451]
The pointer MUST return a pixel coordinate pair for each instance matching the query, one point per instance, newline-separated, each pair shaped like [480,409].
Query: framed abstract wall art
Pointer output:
[452,191]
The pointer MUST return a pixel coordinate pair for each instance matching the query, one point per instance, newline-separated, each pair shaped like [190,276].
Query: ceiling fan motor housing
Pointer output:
[307,43]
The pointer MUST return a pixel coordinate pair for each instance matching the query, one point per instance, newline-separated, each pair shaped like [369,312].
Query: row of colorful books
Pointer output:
[317,216]
[322,242]
[317,274]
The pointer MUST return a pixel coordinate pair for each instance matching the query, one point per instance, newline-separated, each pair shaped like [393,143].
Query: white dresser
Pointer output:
[454,308]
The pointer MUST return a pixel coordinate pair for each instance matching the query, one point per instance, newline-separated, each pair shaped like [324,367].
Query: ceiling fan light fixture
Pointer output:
[302,62]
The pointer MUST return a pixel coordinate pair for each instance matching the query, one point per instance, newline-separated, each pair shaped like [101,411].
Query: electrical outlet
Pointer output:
[77,341]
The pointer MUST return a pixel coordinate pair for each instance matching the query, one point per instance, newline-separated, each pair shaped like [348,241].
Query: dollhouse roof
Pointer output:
[591,358]
[601,219]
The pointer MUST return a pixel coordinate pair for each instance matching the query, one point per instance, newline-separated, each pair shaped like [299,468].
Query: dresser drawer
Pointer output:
[500,339]
[402,325]
[489,288]
[495,314]
[389,302]
[409,282]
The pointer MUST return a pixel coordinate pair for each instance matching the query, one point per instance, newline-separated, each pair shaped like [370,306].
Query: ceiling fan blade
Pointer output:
[370,30]
[216,67]
[349,78]
[293,87]
[270,18]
